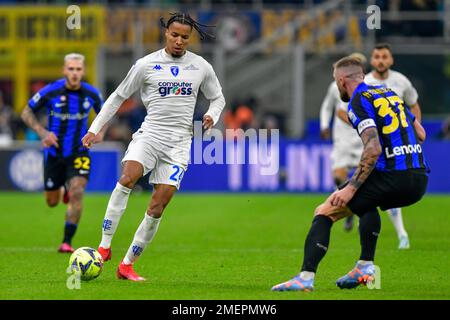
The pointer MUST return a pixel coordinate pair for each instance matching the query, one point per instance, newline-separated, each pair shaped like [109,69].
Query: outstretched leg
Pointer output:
[146,231]
[316,246]
[117,204]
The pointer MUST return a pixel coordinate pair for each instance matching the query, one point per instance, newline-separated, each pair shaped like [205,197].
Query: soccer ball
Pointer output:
[86,263]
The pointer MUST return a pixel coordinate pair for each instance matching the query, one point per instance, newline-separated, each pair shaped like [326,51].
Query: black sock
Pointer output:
[69,231]
[369,229]
[316,243]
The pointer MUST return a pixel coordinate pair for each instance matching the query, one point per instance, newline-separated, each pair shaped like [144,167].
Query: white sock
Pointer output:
[116,207]
[397,220]
[143,236]
[307,275]
[364,263]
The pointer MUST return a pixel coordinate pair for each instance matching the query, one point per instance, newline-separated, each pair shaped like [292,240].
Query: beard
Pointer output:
[73,82]
[381,69]
[344,96]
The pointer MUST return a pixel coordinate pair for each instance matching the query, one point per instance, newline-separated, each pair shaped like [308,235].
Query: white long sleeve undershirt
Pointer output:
[109,109]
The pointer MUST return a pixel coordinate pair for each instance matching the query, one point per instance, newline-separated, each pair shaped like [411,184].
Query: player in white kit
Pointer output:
[381,61]
[169,81]
[347,145]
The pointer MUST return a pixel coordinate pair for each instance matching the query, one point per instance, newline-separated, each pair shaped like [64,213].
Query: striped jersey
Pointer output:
[380,107]
[67,112]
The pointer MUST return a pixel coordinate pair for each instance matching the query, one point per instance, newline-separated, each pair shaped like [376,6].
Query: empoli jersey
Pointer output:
[67,112]
[380,107]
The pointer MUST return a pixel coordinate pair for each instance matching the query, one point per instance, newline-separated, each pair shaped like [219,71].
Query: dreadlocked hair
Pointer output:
[185,18]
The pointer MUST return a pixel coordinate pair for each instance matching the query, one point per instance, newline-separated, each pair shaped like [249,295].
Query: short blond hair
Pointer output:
[359,56]
[347,62]
[74,56]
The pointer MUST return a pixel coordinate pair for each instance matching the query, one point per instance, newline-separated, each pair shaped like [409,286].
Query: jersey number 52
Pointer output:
[82,163]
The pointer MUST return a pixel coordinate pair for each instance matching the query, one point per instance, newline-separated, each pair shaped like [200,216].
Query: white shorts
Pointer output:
[345,157]
[166,164]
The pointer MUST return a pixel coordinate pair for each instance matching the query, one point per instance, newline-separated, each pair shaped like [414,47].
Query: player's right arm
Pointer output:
[48,138]
[362,116]
[38,101]
[132,82]
[342,114]
[326,112]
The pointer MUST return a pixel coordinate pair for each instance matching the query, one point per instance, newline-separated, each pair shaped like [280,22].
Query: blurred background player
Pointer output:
[381,61]
[347,145]
[68,102]
[383,178]
[169,80]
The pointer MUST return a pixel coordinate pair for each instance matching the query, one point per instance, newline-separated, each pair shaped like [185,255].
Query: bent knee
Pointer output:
[76,191]
[320,210]
[127,181]
[334,213]
[52,202]
[156,210]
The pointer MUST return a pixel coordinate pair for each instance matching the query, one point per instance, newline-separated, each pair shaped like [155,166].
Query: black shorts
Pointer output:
[58,170]
[387,190]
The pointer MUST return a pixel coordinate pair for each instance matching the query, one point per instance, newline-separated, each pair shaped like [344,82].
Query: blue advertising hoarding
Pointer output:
[294,166]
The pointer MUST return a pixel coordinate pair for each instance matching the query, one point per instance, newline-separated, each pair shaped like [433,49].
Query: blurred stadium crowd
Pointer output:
[240,112]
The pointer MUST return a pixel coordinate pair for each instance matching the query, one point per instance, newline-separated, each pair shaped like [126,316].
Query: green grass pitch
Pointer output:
[218,246]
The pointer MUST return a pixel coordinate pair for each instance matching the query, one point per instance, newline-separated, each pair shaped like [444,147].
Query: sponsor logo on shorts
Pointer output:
[86,104]
[403,150]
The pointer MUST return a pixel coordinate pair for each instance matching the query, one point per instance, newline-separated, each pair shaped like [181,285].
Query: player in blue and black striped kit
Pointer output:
[68,102]
[392,173]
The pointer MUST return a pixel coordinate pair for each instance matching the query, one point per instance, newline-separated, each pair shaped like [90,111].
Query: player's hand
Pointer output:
[325,134]
[207,122]
[49,140]
[340,198]
[89,139]
[99,137]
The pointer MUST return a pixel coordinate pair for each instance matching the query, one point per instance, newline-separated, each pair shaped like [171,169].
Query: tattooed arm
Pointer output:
[48,138]
[369,157]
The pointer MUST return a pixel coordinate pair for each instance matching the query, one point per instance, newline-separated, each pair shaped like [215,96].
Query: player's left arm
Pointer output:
[212,116]
[411,97]
[421,133]
[213,92]
[416,111]
[419,129]
[99,137]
